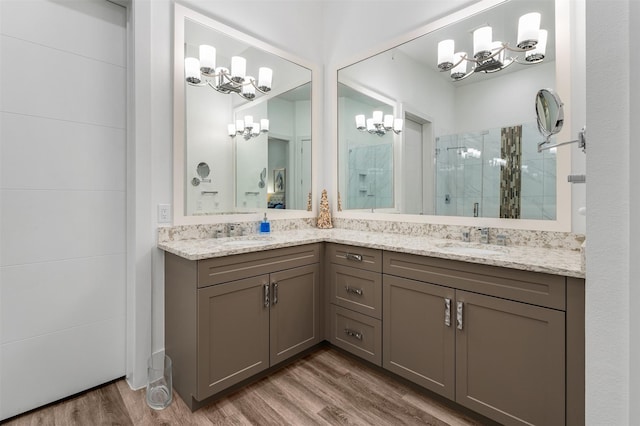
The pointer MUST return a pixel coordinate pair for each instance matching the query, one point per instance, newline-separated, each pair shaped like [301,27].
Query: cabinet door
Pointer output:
[295,304]
[233,333]
[418,335]
[510,360]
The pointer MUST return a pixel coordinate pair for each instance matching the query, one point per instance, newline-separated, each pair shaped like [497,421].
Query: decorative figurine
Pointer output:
[324,218]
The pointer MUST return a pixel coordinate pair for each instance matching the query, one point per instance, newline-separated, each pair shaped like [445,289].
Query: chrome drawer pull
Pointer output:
[352,333]
[447,312]
[352,256]
[266,295]
[459,315]
[275,293]
[352,290]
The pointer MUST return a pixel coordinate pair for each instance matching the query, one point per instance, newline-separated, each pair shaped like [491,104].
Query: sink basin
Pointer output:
[244,243]
[463,248]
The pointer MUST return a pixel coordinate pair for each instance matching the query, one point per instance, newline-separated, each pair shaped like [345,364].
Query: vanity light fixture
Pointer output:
[247,128]
[379,124]
[203,72]
[490,56]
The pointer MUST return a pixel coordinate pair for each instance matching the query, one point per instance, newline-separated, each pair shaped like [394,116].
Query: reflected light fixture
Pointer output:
[379,124]
[247,128]
[203,72]
[490,56]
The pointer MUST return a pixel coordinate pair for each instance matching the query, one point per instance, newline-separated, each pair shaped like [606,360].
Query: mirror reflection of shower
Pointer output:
[495,173]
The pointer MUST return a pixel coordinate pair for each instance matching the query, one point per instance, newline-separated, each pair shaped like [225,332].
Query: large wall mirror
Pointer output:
[240,148]
[467,149]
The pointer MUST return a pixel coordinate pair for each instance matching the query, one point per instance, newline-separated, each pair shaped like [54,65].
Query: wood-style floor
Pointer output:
[323,388]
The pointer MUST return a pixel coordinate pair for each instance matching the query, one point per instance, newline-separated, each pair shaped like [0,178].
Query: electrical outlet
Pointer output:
[164,213]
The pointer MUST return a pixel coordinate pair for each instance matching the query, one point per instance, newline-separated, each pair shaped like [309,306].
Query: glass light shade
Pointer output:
[482,42]
[528,30]
[360,122]
[264,125]
[377,117]
[459,70]
[388,121]
[232,129]
[445,54]
[265,76]
[192,70]
[397,125]
[207,59]
[248,121]
[238,68]
[538,53]
[255,130]
[249,90]
[370,126]
[239,126]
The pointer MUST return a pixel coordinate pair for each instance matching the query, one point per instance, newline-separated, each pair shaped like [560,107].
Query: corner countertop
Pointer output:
[536,259]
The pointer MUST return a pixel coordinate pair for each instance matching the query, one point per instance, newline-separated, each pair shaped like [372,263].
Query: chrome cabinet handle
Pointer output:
[353,256]
[353,333]
[275,293]
[447,312]
[266,295]
[459,315]
[352,290]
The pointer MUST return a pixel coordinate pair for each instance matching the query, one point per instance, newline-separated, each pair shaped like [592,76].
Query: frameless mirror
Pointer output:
[549,112]
[468,146]
[238,120]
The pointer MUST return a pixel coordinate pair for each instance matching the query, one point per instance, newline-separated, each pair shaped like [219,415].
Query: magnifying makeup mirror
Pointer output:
[550,113]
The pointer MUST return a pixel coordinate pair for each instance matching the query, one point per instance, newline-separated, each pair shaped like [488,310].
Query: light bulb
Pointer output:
[192,70]
[238,68]
[445,54]
[482,42]
[265,76]
[528,30]
[207,59]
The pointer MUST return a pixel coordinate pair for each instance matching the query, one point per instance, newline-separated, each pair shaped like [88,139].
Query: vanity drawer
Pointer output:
[356,333]
[357,257]
[524,286]
[231,268]
[355,289]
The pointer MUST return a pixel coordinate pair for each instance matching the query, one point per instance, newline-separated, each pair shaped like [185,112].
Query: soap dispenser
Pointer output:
[265,226]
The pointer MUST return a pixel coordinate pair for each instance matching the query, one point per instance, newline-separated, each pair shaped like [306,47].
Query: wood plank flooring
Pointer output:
[323,388]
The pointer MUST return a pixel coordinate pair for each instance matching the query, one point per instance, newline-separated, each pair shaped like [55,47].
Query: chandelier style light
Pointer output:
[203,72]
[247,128]
[490,56]
[379,124]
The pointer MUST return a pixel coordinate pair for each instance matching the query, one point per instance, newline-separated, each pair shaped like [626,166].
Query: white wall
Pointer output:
[611,372]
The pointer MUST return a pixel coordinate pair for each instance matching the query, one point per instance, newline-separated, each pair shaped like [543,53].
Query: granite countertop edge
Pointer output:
[535,259]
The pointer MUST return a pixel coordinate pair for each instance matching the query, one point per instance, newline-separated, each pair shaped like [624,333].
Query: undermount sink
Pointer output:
[244,243]
[466,248]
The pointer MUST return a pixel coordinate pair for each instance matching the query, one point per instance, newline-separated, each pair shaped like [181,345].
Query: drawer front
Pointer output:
[355,289]
[356,333]
[231,268]
[357,257]
[529,287]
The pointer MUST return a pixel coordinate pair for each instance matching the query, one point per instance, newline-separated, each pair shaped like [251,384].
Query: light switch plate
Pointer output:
[164,213]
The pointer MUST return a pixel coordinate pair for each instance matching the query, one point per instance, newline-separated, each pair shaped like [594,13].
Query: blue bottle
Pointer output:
[265,226]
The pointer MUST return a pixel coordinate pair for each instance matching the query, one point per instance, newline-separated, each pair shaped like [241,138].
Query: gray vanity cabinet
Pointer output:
[491,339]
[418,334]
[355,300]
[230,318]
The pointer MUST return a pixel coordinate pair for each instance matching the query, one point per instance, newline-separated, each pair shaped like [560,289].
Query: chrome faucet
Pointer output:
[484,235]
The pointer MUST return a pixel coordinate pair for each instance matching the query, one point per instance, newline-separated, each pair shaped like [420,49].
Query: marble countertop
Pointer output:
[536,259]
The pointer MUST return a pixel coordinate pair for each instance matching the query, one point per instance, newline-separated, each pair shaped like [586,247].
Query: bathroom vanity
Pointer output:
[495,331]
